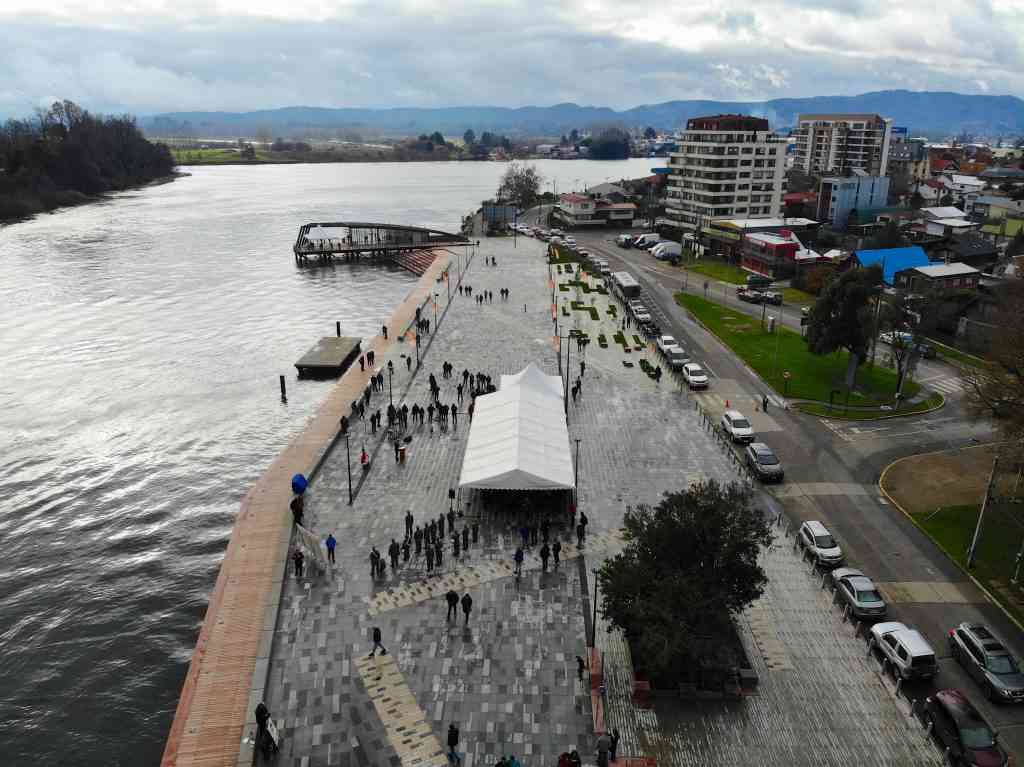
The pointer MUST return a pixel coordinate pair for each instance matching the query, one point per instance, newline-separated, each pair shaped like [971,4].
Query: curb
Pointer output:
[908,515]
[796,406]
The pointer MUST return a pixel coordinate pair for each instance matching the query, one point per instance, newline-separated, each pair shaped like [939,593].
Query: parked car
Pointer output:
[857,590]
[695,376]
[676,357]
[646,240]
[764,463]
[735,424]
[988,661]
[750,296]
[960,727]
[901,337]
[624,241]
[664,343]
[758,281]
[642,316]
[666,250]
[816,538]
[570,241]
[906,649]
[771,297]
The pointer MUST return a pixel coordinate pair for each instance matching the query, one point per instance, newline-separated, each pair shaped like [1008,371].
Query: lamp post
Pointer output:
[417,350]
[391,374]
[348,465]
[593,623]
[576,468]
[436,296]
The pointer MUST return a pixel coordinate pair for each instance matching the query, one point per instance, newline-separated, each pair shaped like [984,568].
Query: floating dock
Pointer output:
[329,358]
[323,243]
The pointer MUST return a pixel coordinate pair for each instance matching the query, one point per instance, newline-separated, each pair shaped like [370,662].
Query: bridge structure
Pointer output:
[322,243]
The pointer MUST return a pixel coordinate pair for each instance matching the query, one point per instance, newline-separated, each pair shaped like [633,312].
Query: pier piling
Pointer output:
[337,328]
[284,392]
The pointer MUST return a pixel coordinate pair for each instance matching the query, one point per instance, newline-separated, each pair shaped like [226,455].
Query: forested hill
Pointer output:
[66,156]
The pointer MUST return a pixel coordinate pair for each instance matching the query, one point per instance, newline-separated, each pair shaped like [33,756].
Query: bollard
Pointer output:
[284,392]
[913,707]
[846,613]
[857,626]
[337,328]
[899,685]
[871,646]
[824,577]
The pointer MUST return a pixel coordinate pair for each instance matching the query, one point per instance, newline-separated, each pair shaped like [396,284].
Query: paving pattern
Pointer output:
[507,675]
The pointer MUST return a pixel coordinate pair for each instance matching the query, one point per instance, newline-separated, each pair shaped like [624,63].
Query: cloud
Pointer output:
[156,55]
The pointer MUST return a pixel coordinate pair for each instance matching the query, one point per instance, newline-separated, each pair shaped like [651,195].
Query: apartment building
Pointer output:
[836,144]
[727,166]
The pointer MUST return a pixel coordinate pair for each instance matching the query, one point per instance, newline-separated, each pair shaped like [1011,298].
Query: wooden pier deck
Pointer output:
[322,243]
[329,357]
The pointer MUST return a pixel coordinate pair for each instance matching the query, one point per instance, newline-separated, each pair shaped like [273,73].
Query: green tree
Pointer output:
[520,185]
[650,133]
[946,200]
[889,236]
[610,144]
[437,138]
[689,565]
[574,136]
[916,200]
[841,318]
[469,137]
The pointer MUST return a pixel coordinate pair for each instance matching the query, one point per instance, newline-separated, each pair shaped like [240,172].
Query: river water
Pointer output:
[142,338]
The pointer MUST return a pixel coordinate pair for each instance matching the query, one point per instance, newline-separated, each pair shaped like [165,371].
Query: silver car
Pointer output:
[988,661]
[857,590]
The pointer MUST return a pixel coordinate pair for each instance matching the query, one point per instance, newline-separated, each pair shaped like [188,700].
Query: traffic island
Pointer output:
[933,401]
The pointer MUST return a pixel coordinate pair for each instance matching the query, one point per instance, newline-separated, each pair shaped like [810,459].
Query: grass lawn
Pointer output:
[956,356]
[952,527]
[564,256]
[811,377]
[797,296]
[932,401]
[717,270]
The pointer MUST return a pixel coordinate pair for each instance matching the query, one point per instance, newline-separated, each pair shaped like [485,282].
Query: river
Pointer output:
[142,338]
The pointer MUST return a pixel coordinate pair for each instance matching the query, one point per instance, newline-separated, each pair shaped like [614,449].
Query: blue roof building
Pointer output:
[893,260]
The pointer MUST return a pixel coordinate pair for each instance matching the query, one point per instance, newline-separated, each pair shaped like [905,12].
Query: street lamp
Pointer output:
[348,465]
[576,469]
[593,623]
[391,374]
[436,296]
[417,350]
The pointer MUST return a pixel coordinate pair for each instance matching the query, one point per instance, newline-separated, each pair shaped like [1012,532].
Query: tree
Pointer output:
[889,236]
[610,144]
[916,200]
[469,137]
[841,317]
[437,138]
[487,139]
[689,565]
[650,133]
[946,200]
[997,388]
[1016,246]
[574,136]
[520,185]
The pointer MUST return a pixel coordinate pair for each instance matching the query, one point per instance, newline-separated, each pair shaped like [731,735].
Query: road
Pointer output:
[832,471]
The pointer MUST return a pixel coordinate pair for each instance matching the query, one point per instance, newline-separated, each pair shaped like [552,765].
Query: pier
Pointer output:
[323,243]
[329,357]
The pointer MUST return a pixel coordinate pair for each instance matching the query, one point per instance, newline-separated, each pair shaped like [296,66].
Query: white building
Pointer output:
[729,166]
[839,143]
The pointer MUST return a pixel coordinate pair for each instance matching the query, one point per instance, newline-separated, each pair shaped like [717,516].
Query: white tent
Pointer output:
[518,439]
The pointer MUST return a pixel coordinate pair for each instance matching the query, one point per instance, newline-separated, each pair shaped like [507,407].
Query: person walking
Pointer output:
[408,522]
[438,553]
[417,539]
[376,643]
[374,559]
[458,392]
[298,507]
[556,550]
[384,331]
[440,524]
[476,531]
[451,520]
[545,552]
[545,529]
[405,551]
[455,416]
[453,741]
[583,367]
[604,745]
[455,544]
[396,448]
[465,538]
[408,363]
[580,530]
[299,559]
[584,521]
[453,603]
[467,606]
[524,533]
[362,363]
[581,667]
[519,560]
[614,744]
[331,542]
[430,557]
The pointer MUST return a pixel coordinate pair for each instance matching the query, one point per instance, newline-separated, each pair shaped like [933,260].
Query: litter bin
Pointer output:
[401,454]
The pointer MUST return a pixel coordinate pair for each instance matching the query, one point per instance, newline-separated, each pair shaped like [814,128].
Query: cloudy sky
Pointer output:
[148,56]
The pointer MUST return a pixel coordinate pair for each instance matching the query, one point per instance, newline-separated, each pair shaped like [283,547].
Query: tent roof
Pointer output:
[518,439]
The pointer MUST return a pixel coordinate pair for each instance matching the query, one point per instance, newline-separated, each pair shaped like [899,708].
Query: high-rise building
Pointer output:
[837,144]
[727,166]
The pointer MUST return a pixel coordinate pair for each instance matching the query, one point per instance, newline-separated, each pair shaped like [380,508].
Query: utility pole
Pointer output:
[348,465]
[973,549]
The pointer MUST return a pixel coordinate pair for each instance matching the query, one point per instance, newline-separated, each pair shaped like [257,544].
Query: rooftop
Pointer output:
[893,260]
[943,212]
[955,269]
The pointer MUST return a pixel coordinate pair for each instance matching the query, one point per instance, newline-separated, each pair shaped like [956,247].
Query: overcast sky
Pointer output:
[147,56]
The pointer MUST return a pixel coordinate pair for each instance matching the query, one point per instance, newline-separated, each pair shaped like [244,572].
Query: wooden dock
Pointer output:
[329,357]
[323,243]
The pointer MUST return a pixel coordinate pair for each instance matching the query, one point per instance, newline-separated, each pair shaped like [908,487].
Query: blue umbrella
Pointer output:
[299,484]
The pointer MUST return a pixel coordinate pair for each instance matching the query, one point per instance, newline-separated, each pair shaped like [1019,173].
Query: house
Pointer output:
[989,206]
[948,227]
[608,190]
[892,260]
[960,184]
[584,210]
[947,211]
[972,167]
[724,236]
[942,165]
[938,277]
[931,190]
[776,255]
[970,248]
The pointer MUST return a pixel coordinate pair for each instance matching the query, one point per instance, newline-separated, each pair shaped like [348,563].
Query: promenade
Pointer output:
[507,678]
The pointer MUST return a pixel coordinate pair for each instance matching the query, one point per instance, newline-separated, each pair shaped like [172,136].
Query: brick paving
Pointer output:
[508,676]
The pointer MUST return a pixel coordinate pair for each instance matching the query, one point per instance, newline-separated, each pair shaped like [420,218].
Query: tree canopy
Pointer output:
[610,144]
[520,185]
[690,564]
[650,133]
[841,318]
[469,137]
[65,154]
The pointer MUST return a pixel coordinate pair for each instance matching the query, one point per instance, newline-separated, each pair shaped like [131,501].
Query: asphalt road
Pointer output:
[832,471]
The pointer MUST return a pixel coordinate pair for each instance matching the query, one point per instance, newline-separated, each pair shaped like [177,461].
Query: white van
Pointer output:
[667,250]
[647,240]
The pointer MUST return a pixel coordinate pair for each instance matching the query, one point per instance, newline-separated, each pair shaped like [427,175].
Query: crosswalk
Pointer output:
[469,577]
[944,384]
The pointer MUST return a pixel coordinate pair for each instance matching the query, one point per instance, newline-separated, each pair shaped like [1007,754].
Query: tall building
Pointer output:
[837,144]
[839,196]
[727,166]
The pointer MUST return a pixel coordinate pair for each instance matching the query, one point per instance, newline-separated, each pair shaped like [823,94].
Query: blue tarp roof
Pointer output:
[893,259]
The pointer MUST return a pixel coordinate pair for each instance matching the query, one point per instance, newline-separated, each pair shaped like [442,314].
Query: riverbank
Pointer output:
[229,665]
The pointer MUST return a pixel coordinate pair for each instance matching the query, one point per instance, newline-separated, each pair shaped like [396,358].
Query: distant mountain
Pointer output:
[929,112]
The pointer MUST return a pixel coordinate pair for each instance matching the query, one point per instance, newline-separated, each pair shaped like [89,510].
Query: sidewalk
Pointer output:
[508,678]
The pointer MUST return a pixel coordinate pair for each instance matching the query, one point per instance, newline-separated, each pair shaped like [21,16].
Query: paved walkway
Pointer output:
[507,676]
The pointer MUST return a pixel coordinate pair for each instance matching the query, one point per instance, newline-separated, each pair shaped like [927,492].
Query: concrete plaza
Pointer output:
[507,676]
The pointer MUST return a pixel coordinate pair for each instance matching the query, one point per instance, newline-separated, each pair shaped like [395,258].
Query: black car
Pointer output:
[958,726]
[988,661]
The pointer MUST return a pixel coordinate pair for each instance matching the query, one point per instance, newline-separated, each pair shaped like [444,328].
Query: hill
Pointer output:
[936,113]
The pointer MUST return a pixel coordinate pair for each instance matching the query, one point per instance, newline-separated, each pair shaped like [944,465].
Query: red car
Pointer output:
[958,726]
